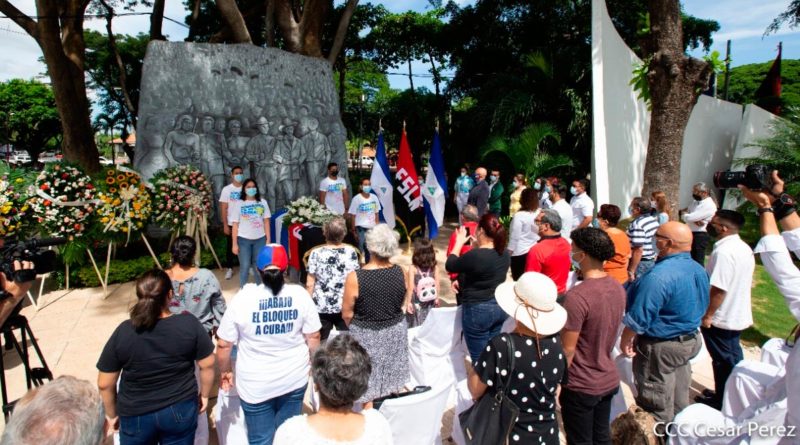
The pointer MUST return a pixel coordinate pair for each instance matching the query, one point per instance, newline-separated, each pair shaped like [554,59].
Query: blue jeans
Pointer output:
[248,254]
[173,425]
[263,419]
[643,267]
[480,323]
[362,241]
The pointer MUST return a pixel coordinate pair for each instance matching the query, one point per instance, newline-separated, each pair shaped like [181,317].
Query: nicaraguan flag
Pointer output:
[381,180]
[435,188]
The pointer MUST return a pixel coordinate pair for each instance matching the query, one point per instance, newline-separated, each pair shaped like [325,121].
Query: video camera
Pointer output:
[754,177]
[33,251]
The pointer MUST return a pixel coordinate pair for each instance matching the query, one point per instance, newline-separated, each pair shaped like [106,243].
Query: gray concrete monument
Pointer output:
[214,106]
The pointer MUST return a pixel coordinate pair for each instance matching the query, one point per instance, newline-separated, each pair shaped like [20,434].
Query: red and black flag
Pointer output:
[768,95]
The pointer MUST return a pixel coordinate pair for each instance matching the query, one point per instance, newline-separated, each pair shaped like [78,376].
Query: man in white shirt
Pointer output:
[582,205]
[228,197]
[730,268]
[697,216]
[333,190]
[364,210]
[560,205]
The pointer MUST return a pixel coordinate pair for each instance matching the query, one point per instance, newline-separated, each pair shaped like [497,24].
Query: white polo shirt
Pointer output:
[565,212]
[699,214]
[730,268]
[582,206]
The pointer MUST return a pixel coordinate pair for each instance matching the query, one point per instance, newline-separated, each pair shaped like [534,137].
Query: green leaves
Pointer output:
[781,151]
[639,81]
[525,150]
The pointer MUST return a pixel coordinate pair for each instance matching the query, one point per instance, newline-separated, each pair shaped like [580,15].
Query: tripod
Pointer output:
[33,376]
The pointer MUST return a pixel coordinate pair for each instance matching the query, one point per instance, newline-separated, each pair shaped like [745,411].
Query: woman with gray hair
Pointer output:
[328,266]
[340,371]
[374,298]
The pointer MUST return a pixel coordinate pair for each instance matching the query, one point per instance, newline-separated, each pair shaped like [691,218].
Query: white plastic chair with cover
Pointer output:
[417,419]
[430,348]
[775,352]
[229,418]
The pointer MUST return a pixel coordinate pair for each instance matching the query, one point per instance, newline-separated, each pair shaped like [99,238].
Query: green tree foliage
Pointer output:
[29,116]
[746,79]
[526,151]
[781,151]
[791,17]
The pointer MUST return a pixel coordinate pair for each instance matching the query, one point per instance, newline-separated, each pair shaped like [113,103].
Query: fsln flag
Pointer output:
[407,180]
[768,95]
[381,180]
[435,188]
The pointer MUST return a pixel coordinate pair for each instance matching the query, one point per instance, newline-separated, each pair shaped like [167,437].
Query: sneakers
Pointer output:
[228,273]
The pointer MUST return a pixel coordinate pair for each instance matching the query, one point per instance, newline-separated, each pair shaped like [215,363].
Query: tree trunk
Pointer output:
[290,29]
[156,20]
[675,82]
[193,23]
[233,17]
[436,79]
[341,30]
[311,24]
[342,86]
[410,77]
[59,33]
[269,23]
[122,75]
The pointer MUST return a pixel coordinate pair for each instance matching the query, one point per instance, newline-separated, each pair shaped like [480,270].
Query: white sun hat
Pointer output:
[532,302]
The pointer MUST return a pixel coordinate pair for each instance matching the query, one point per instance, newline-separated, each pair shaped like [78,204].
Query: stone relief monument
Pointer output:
[214,106]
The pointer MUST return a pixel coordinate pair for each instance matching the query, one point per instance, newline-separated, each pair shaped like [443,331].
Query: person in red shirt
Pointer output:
[550,256]
[469,218]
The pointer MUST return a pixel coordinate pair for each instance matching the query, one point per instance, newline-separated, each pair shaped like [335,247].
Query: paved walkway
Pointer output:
[73,326]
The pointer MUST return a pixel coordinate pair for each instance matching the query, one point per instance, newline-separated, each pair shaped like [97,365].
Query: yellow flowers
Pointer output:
[126,202]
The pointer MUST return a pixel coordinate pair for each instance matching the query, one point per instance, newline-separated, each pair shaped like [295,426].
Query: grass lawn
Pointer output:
[771,317]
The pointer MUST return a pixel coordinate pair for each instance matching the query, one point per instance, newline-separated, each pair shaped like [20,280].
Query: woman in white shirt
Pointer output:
[250,232]
[524,233]
[341,372]
[276,329]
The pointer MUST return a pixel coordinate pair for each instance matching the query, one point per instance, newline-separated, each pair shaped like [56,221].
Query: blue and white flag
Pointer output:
[435,188]
[381,180]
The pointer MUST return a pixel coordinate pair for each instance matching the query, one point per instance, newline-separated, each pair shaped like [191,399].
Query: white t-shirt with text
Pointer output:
[334,194]
[272,357]
[365,209]
[251,215]
[230,195]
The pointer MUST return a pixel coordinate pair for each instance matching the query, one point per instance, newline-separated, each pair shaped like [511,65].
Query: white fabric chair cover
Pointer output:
[696,420]
[430,348]
[702,355]
[749,384]
[229,418]
[463,402]
[417,419]
[775,352]
[700,424]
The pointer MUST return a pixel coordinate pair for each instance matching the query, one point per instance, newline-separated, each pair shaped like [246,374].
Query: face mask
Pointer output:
[366,189]
[573,190]
[463,174]
[514,184]
[652,205]
[537,186]
[547,189]
[697,197]
[492,178]
[334,172]
[251,191]
[630,211]
[596,223]
[712,231]
[575,264]
[238,177]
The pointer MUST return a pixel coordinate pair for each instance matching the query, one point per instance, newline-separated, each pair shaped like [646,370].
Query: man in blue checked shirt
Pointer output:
[664,311]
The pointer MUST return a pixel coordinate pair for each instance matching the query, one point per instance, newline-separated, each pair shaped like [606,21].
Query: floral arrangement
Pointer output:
[180,192]
[126,204]
[307,210]
[15,191]
[64,199]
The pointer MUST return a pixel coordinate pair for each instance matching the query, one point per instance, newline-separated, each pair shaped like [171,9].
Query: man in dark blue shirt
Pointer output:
[664,310]
[479,195]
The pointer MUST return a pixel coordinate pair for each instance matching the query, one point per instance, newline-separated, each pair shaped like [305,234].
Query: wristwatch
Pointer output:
[762,210]
[783,206]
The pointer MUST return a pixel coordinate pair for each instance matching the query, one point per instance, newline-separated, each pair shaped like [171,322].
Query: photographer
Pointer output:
[13,292]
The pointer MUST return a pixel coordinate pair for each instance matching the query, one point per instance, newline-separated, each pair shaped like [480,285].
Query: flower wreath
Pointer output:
[307,210]
[126,203]
[15,191]
[64,199]
[181,192]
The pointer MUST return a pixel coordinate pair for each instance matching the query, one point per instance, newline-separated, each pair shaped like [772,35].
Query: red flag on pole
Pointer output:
[407,183]
[768,95]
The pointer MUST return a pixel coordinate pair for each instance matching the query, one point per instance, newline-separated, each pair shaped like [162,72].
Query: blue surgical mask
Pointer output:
[596,223]
[366,189]
[575,264]
[547,189]
[251,191]
[514,184]
[463,174]
[537,186]
[238,177]
[573,190]
[492,178]
[630,210]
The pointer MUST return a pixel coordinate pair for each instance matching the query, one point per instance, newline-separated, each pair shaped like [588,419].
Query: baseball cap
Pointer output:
[272,255]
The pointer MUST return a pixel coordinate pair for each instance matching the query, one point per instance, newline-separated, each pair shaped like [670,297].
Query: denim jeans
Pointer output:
[362,241]
[480,323]
[644,267]
[248,254]
[264,418]
[173,425]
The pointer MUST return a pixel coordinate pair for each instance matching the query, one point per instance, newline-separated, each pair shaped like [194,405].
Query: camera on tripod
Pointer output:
[754,177]
[32,250]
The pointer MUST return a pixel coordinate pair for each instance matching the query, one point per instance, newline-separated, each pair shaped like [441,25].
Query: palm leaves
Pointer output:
[525,150]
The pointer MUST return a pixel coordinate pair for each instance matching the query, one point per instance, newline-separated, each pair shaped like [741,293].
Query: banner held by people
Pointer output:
[381,180]
[435,188]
